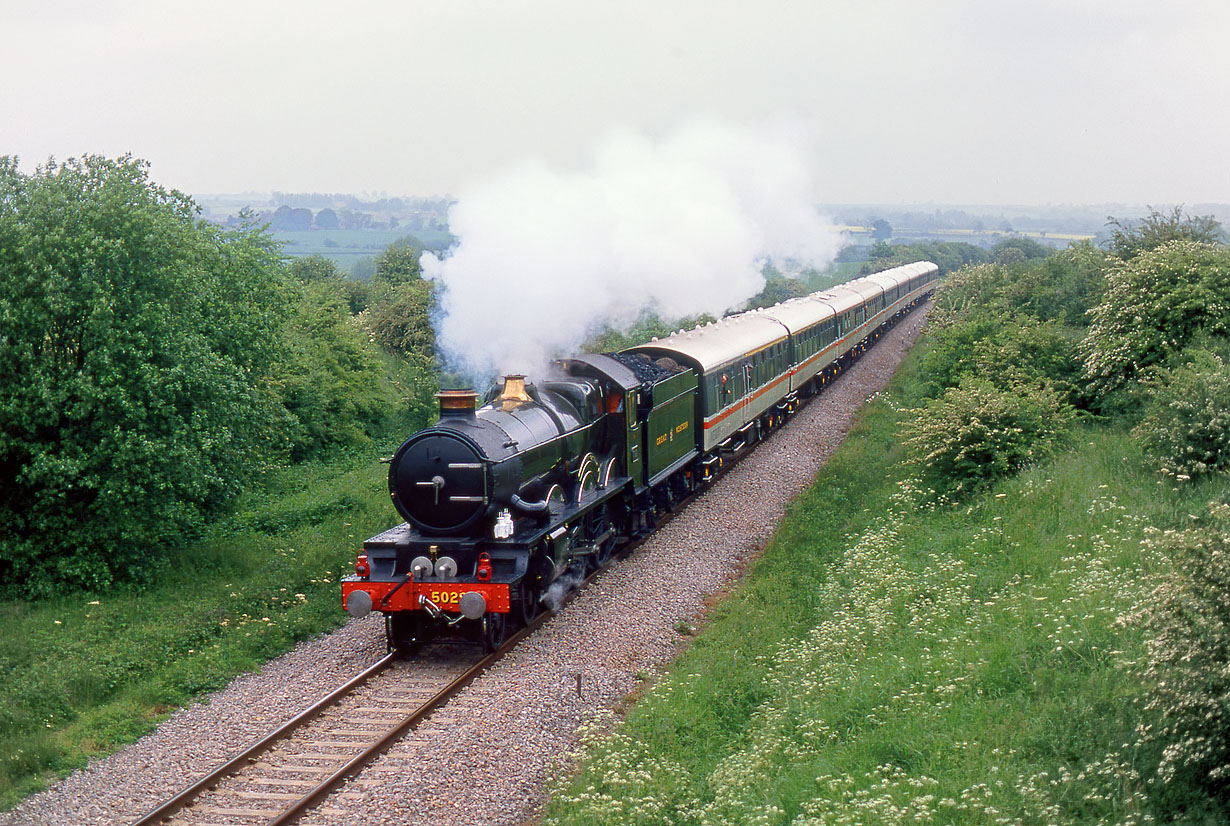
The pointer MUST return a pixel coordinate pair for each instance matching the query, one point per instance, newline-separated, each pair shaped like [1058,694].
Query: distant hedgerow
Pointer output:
[977,433]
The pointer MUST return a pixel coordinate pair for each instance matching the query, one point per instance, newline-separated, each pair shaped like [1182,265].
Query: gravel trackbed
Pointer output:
[485,756]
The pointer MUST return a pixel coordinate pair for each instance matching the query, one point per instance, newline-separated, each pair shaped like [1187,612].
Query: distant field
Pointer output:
[981,237]
[346,246]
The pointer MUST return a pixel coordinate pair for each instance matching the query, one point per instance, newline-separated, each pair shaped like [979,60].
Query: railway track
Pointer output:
[294,766]
[300,764]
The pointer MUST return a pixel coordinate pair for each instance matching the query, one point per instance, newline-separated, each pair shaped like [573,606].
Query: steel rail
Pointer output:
[239,761]
[299,807]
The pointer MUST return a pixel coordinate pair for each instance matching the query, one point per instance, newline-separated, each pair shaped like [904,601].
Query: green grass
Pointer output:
[87,674]
[887,659]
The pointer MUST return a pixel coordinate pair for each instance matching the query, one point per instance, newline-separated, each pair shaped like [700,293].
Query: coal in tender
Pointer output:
[646,370]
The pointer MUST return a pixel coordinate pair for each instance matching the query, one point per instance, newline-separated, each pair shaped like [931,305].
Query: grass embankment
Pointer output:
[890,661]
[88,673]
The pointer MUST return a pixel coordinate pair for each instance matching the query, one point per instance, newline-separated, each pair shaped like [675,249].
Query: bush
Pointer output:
[968,290]
[977,433]
[1185,671]
[400,321]
[136,348]
[1187,417]
[1028,352]
[949,352]
[949,256]
[1061,287]
[1154,305]
[1006,352]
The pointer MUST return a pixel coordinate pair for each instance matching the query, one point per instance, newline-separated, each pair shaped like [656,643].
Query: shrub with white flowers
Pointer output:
[1187,670]
[1187,418]
[1153,306]
[976,433]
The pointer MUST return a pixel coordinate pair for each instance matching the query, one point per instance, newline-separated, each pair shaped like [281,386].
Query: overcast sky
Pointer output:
[951,101]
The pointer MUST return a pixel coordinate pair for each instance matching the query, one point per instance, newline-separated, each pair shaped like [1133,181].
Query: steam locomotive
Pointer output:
[542,481]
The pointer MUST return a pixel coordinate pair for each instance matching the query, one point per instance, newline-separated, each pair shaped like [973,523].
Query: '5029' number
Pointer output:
[445,597]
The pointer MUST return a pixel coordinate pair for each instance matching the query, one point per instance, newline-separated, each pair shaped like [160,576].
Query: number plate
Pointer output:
[447,595]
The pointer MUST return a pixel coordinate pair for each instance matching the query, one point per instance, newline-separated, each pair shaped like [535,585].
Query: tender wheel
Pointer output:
[492,630]
[404,631]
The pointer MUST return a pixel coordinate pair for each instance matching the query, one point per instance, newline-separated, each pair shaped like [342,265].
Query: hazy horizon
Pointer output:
[950,102]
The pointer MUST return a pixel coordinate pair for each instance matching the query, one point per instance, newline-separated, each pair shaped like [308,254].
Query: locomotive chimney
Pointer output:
[513,394]
[457,402]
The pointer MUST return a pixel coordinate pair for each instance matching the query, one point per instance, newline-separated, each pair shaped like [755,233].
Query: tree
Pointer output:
[291,220]
[315,268]
[881,229]
[363,268]
[1131,239]
[327,219]
[398,265]
[778,287]
[1021,249]
[136,344]
[401,321]
[331,380]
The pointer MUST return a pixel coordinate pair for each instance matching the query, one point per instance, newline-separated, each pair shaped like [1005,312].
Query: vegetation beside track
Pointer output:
[1005,600]
[89,672]
[888,660]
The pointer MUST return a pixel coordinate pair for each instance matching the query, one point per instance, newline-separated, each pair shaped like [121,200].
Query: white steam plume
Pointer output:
[680,226]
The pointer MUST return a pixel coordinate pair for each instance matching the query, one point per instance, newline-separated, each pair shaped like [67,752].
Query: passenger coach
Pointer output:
[754,367]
